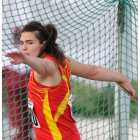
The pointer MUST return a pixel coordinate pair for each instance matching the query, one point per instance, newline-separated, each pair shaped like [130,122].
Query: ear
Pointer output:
[44,43]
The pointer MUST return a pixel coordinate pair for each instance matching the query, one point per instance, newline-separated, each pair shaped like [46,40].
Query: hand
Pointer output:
[18,57]
[129,86]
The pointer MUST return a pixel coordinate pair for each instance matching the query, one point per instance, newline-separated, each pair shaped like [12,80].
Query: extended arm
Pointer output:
[41,66]
[99,73]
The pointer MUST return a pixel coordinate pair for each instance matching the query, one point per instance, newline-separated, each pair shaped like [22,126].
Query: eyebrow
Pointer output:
[26,40]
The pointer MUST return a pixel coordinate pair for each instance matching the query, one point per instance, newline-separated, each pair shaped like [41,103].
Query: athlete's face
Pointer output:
[29,44]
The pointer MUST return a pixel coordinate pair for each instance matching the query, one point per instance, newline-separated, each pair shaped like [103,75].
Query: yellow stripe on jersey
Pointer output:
[56,134]
[40,90]
[37,95]
[64,102]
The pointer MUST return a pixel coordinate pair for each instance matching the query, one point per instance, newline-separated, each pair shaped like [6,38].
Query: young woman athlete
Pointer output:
[49,85]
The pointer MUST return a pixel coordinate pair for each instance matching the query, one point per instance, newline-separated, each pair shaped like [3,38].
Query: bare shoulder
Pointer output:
[49,68]
[78,68]
[53,74]
[67,59]
[51,65]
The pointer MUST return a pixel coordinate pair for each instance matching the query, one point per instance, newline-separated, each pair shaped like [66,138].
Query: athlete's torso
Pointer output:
[52,108]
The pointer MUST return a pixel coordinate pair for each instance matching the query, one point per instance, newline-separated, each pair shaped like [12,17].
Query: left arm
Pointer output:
[99,73]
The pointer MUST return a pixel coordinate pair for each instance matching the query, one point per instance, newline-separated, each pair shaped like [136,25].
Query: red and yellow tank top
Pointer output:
[50,107]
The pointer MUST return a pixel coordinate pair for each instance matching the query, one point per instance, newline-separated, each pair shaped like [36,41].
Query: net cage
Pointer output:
[95,32]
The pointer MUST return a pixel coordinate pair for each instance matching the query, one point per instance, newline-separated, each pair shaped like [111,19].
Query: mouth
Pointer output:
[26,53]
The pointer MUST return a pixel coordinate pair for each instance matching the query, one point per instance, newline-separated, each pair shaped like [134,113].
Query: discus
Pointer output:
[125,89]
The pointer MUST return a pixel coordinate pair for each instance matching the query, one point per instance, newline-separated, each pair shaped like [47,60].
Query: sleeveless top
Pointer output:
[50,107]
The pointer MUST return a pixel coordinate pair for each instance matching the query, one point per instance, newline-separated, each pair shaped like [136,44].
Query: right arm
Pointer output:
[40,66]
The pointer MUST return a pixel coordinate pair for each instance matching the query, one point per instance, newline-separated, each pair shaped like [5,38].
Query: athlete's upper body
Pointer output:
[49,85]
[50,107]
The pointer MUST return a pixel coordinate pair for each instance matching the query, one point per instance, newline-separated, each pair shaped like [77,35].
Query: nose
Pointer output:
[24,46]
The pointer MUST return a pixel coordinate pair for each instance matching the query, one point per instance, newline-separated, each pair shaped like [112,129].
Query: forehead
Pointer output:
[28,36]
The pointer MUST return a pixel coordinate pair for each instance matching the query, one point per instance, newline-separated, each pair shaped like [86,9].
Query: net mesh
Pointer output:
[102,33]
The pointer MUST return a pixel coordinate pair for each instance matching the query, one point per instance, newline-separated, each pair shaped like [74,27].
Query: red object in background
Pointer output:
[16,31]
[17,101]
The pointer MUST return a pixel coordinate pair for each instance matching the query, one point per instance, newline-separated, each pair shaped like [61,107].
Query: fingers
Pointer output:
[13,62]
[133,98]
[12,53]
[134,95]
[9,55]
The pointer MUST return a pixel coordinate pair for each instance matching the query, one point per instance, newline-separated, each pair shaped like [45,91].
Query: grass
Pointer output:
[90,101]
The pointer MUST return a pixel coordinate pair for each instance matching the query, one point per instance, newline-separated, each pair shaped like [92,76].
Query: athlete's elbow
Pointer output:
[93,72]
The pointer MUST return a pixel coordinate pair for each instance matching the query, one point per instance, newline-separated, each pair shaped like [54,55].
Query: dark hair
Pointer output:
[46,33]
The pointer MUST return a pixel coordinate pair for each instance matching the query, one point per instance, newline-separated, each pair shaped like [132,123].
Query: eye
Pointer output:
[21,43]
[30,43]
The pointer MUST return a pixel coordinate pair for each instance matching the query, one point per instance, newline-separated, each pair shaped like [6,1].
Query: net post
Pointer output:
[122,101]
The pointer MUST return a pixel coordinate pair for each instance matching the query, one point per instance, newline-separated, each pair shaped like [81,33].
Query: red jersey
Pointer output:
[50,108]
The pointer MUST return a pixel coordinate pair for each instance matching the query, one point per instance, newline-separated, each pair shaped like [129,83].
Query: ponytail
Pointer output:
[52,47]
